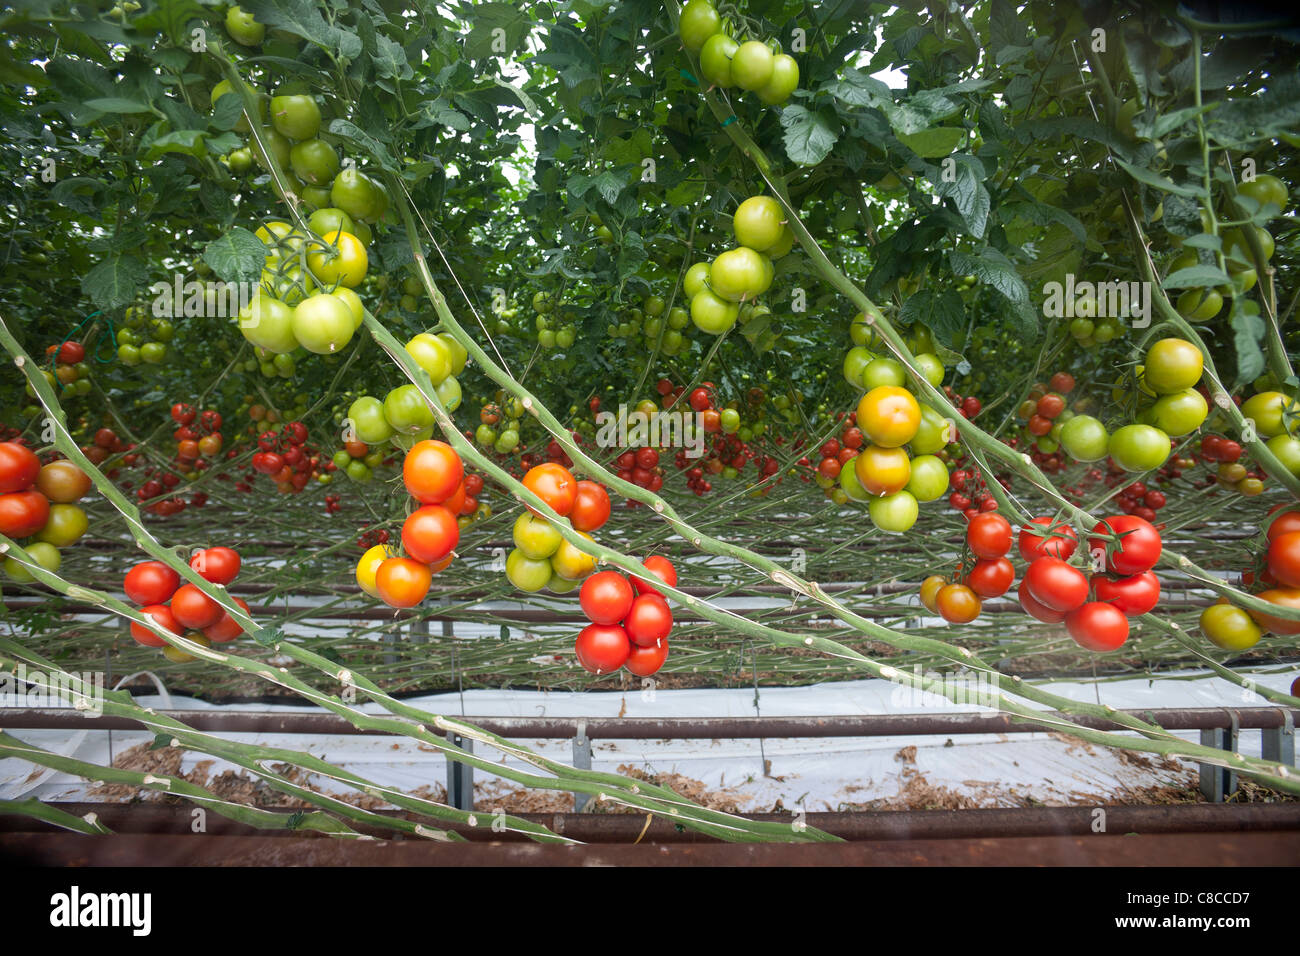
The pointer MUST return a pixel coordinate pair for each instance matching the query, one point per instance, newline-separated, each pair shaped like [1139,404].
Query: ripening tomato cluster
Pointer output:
[641,467]
[37,502]
[355,459]
[988,539]
[183,609]
[833,455]
[197,436]
[1234,629]
[287,459]
[70,368]
[1224,455]
[542,557]
[969,492]
[1056,591]
[630,620]
[435,477]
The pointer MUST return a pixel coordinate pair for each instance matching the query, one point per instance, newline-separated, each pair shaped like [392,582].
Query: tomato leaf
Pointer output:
[809,136]
[1247,332]
[1196,276]
[1156,181]
[966,189]
[934,142]
[237,256]
[995,269]
[943,313]
[114,282]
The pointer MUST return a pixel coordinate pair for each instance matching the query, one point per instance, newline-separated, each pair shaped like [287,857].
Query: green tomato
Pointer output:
[128,355]
[698,22]
[43,553]
[243,29]
[459,354]
[715,59]
[507,441]
[315,162]
[327,220]
[1172,365]
[1272,412]
[883,371]
[931,368]
[358,471]
[526,573]
[406,410]
[759,222]
[65,525]
[449,393]
[894,513]
[1287,450]
[740,273]
[152,353]
[323,324]
[730,420]
[341,459]
[1139,448]
[268,323]
[751,65]
[536,538]
[432,355]
[360,197]
[851,485]
[856,361]
[368,420]
[712,314]
[485,435]
[933,433]
[696,279]
[297,116]
[1229,627]
[1180,413]
[783,82]
[929,479]
[1084,438]
[1268,191]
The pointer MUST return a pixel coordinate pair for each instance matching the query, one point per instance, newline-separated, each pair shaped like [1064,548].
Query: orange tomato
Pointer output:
[554,484]
[403,582]
[430,533]
[882,471]
[432,470]
[889,415]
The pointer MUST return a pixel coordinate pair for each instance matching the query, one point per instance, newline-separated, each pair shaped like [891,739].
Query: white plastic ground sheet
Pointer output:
[817,774]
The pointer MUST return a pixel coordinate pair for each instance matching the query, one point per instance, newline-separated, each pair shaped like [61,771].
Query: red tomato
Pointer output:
[19,467]
[23,513]
[182,413]
[590,506]
[227,628]
[1098,626]
[649,621]
[661,568]
[473,485]
[430,533]
[70,352]
[192,608]
[554,484]
[455,503]
[991,577]
[151,582]
[163,617]
[1036,609]
[606,597]
[218,565]
[1284,523]
[1056,584]
[1062,382]
[432,470]
[1060,544]
[989,535]
[602,648]
[1284,558]
[1138,550]
[1134,595]
[644,661]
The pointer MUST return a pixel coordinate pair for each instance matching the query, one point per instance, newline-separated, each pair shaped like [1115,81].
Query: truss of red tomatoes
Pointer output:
[183,609]
[38,502]
[1053,590]
[1056,591]
[286,458]
[630,620]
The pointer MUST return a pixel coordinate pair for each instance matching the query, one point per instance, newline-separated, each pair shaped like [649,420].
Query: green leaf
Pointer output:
[941,312]
[1196,276]
[1204,240]
[237,256]
[390,59]
[1157,181]
[809,136]
[187,141]
[1247,332]
[993,268]
[934,142]
[967,192]
[117,104]
[114,282]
